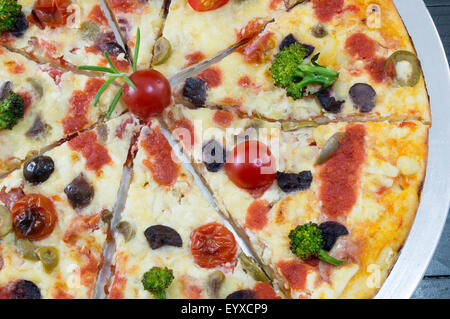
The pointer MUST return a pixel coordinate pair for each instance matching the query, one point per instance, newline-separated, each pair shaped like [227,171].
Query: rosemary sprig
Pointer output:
[112,73]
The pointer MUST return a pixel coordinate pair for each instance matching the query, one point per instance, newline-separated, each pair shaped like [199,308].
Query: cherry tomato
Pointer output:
[152,94]
[250,165]
[212,245]
[34,217]
[52,13]
[207,5]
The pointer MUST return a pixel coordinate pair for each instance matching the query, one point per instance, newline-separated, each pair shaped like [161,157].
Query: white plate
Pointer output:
[430,220]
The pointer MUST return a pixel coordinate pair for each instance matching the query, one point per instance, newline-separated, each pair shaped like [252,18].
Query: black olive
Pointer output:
[107,42]
[194,91]
[25,289]
[214,156]
[291,182]
[329,102]
[160,235]
[38,169]
[242,294]
[79,192]
[20,26]
[363,95]
[290,39]
[4,90]
[330,232]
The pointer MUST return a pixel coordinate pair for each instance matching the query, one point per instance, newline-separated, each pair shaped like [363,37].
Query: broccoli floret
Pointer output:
[11,110]
[307,241]
[292,72]
[9,11]
[156,280]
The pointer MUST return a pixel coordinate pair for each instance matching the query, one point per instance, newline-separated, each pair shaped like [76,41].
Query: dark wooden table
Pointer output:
[436,283]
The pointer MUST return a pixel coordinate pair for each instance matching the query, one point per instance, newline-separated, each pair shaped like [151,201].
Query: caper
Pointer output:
[90,31]
[252,267]
[27,249]
[5,221]
[215,281]
[49,257]
[162,51]
[319,31]
[106,216]
[411,58]
[330,147]
[37,87]
[126,230]
[293,126]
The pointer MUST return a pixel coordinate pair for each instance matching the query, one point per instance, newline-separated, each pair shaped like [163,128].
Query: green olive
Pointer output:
[49,257]
[90,30]
[330,147]
[5,221]
[411,58]
[319,31]
[162,51]
[293,126]
[215,280]
[27,249]
[126,230]
[252,267]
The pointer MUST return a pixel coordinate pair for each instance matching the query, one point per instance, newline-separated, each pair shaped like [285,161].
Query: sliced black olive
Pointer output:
[160,235]
[363,95]
[329,102]
[319,31]
[214,156]
[4,90]
[290,39]
[242,294]
[38,169]
[37,130]
[25,289]
[79,192]
[194,91]
[291,182]
[107,42]
[330,232]
[20,26]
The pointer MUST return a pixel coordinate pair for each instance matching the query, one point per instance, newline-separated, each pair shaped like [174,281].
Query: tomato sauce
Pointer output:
[222,118]
[194,58]
[295,273]
[51,13]
[118,286]
[79,225]
[55,74]
[159,161]
[124,6]
[325,10]
[88,273]
[376,69]
[122,127]
[96,155]
[265,291]
[188,136]
[189,288]
[360,46]
[256,217]
[9,198]
[258,49]
[340,174]
[252,29]
[97,15]
[233,101]
[212,76]
[27,99]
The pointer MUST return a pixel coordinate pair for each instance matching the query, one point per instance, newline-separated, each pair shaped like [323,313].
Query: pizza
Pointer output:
[60,203]
[167,225]
[364,192]
[305,124]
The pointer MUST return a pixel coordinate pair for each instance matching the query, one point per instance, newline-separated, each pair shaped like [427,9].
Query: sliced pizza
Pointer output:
[55,211]
[196,30]
[325,208]
[171,242]
[66,33]
[40,105]
[322,60]
[129,15]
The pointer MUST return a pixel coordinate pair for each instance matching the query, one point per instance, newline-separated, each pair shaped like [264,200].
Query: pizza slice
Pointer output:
[40,105]
[196,30]
[54,214]
[129,15]
[325,208]
[322,60]
[66,33]
[171,242]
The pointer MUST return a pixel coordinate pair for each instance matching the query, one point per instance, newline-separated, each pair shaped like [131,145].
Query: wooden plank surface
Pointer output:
[436,283]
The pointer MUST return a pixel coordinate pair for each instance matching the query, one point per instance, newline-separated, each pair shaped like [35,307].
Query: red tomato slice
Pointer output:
[207,5]
[212,245]
[251,165]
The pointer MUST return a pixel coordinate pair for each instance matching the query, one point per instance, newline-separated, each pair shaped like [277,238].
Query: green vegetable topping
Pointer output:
[307,241]
[292,72]
[9,11]
[157,280]
[11,110]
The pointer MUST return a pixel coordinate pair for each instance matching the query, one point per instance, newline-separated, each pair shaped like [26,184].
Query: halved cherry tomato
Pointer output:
[251,165]
[34,217]
[212,245]
[52,13]
[207,5]
[152,94]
